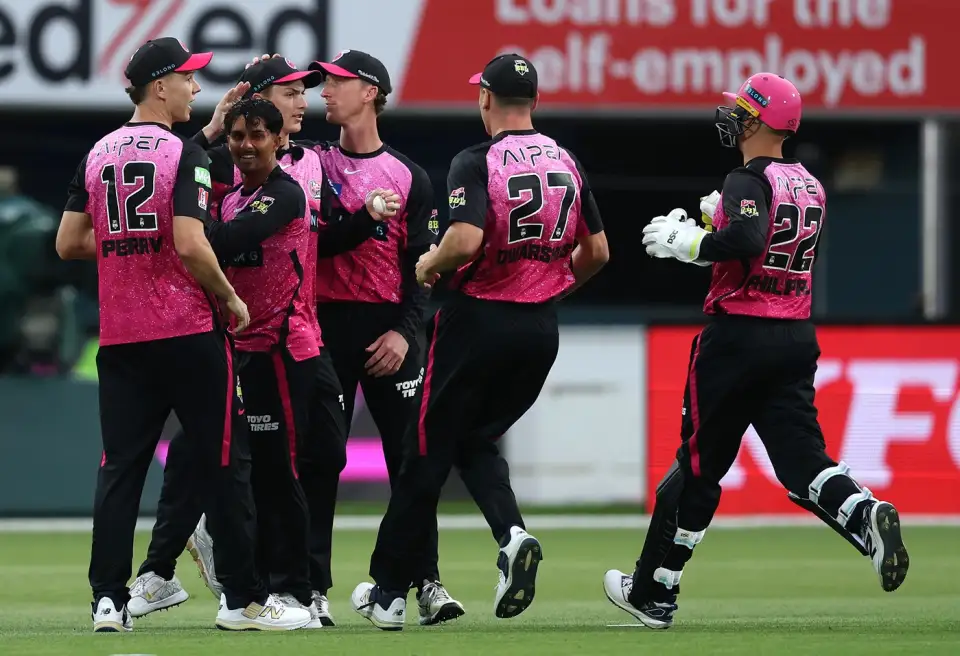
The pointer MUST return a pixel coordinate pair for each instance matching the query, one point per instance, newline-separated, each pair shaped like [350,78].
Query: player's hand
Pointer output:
[708,207]
[390,197]
[389,351]
[673,236]
[214,128]
[238,309]
[425,277]
[257,60]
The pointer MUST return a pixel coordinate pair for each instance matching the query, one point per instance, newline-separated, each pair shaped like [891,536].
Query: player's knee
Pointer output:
[322,454]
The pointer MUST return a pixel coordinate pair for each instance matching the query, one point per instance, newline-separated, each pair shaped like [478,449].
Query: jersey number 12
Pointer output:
[522,227]
[141,175]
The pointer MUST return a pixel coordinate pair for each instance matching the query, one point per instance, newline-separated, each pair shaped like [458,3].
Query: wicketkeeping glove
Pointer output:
[708,207]
[674,236]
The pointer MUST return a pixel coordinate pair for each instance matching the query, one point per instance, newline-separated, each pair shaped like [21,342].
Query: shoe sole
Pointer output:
[656,625]
[111,627]
[449,611]
[326,620]
[164,605]
[896,561]
[250,626]
[194,552]
[523,580]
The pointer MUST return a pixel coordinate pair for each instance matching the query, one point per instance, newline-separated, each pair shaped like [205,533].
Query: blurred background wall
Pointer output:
[630,86]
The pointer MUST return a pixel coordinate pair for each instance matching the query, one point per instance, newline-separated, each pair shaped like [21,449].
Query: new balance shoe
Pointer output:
[108,619]
[385,610]
[517,562]
[200,546]
[272,615]
[323,608]
[652,614]
[151,592]
[881,536]
[436,605]
[292,602]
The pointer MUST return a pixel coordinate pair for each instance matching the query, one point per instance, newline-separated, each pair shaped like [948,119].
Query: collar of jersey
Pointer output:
[514,133]
[346,153]
[294,150]
[274,174]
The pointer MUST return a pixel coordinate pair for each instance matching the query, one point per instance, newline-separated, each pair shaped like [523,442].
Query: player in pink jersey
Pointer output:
[138,206]
[279,81]
[369,304]
[524,230]
[755,361]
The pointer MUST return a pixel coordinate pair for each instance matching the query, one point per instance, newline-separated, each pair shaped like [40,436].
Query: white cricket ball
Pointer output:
[379,205]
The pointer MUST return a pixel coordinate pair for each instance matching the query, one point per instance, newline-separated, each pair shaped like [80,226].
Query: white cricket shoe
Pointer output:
[436,605]
[292,602]
[200,546]
[517,563]
[384,612]
[151,592]
[617,586]
[270,616]
[881,536]
[323,608]
[108,619]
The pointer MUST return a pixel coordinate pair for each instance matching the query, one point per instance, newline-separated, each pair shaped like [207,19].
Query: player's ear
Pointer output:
[159,88]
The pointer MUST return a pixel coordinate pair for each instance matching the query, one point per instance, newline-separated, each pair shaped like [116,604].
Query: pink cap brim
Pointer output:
[298,75]
[730,97]
[333,69]
[196,61]
[476,78]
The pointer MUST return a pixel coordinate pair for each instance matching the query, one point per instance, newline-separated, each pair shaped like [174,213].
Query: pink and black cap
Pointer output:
[356,64]
[508,76]
[277,70]
[159,57]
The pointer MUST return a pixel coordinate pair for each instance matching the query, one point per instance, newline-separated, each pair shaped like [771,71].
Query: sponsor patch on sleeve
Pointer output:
[458,198]
[202,176]
[748,208]
[433,225]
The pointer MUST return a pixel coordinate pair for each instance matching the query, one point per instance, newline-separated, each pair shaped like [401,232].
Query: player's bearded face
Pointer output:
[252,146]
[344,98]
[291,100]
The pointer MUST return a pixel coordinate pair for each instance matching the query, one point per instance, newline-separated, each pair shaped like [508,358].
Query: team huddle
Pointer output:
[251,286]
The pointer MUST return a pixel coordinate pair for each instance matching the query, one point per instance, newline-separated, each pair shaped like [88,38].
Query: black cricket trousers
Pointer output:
[486,364]
[280,395]
[348,328]
[743,371]
[140,384]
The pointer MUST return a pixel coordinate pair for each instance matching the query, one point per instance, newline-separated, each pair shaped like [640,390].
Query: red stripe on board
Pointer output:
[425,399]
[284,388]
[228,417]
[694,411]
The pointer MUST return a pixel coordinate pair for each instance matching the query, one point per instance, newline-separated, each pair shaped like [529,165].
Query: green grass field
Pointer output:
[753,591]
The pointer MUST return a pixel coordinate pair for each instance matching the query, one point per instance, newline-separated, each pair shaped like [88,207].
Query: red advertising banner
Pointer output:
[849,55]
[889,402]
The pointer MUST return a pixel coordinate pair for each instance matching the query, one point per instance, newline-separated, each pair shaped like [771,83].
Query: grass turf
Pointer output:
[776,591]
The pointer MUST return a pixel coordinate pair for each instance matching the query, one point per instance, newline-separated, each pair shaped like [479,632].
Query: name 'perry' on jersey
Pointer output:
[778,283]
[532,200]
[132,183]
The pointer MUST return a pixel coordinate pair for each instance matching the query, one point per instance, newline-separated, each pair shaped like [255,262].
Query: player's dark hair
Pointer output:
[508,102]
[137,94]
[380,102]
[255,110]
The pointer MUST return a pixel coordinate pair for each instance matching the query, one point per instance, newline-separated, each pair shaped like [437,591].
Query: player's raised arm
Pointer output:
[75,236]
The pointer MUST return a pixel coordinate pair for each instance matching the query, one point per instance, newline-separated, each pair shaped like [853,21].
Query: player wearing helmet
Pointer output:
[755,361]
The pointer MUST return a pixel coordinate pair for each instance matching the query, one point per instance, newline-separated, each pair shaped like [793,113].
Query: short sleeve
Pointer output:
[422,228]
[77,196]
[467,194]
[588,204]
[192,190]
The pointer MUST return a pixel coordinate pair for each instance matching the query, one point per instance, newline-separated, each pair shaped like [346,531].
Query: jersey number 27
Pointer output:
[522,225]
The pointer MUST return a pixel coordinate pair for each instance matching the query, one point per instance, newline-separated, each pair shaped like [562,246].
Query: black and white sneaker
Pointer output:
[517,562]
[385,611]
[436,605]
[881,536]
[107,618]
[652,614]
